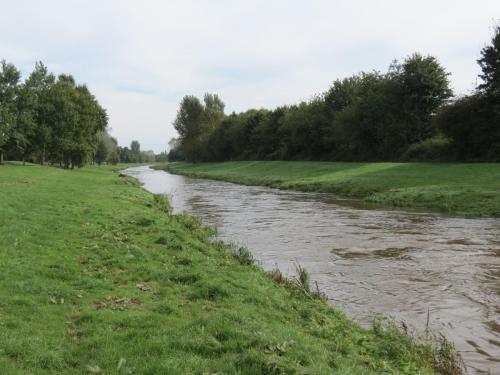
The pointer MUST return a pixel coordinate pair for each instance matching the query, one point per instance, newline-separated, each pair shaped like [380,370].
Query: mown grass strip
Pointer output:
[467,189]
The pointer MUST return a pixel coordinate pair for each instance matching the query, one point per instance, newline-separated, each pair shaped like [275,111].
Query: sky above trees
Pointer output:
[141,58]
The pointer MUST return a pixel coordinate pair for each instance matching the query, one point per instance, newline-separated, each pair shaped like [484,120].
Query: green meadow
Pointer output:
[459,189]
[97,276]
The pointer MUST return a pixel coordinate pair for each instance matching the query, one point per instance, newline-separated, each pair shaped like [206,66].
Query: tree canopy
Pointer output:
[48,119]
[369,116]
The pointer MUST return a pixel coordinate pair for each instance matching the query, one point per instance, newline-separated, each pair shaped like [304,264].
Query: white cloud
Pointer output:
[140,58]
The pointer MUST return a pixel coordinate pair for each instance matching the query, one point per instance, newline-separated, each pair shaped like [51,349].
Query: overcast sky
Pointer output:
[141,57]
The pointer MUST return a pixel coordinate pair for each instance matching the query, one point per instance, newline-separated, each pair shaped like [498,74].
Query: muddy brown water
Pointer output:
[369,262]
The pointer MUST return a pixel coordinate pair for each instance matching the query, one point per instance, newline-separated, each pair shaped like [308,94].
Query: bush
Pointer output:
[432,149]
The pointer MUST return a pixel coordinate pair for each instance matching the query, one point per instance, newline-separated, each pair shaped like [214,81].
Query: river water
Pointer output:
[407,265]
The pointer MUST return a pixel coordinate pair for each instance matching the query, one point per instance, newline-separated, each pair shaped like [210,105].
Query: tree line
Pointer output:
[108,151]
[47,119]
[406,113]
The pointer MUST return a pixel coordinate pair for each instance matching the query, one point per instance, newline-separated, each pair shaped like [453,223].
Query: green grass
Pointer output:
[456,189]
[97,277]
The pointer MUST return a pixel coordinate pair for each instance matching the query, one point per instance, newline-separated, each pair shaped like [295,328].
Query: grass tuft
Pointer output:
[162,203]
[303,278]
[244,256]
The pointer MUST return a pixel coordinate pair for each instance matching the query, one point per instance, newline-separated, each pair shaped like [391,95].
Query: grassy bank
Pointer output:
[457,189]
[97,277]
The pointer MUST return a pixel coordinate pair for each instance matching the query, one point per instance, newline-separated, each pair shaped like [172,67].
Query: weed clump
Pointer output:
[210,292]
[162,240]
[162,203]
[163,309]
[300,282]
[446,358]
[435,349]
[144,221]
[278,277]
[244,256]
[303,278]
[186,279]
[184,262]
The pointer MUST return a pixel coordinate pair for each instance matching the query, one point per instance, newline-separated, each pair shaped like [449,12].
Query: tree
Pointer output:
[24,127]
[424,87]
[174,153]
[213,112]
[473,122]
[135,152]
[106,149]
[124,154]
[44,118]
[148,156]
[162,156]
[189,125]
[470,123]
[40,83]
[490,67]
[113,154]
[74,117]
[9,80]
[173,143]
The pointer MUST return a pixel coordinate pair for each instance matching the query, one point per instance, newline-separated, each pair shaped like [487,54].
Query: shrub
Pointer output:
[431,149]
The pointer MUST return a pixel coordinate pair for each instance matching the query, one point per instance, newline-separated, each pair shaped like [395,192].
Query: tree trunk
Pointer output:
[1,157]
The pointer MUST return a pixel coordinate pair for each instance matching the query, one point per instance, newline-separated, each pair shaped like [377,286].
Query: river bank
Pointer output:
[470,190]
[99,277]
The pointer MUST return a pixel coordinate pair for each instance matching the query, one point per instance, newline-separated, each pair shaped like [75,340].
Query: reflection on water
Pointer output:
[369,262]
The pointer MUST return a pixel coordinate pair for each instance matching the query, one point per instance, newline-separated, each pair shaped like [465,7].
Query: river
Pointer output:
[369,262]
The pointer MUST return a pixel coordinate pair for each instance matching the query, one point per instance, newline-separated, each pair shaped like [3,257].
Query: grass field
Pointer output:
[97,277]
[457,189]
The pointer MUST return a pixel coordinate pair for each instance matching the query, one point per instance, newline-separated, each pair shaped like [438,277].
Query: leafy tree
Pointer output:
[490,66]
[113,154]
[162,157]
[424,87]
[47,119]
[266,138]
[125,154]
[23,129]
[220,147]
[101,152]
[195,122]
[173,143]
[107,149]
[473,122]
[135,152]
[9,80]
[75,117]
[40,82]
[213,112]
[148,156]
[470,123]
